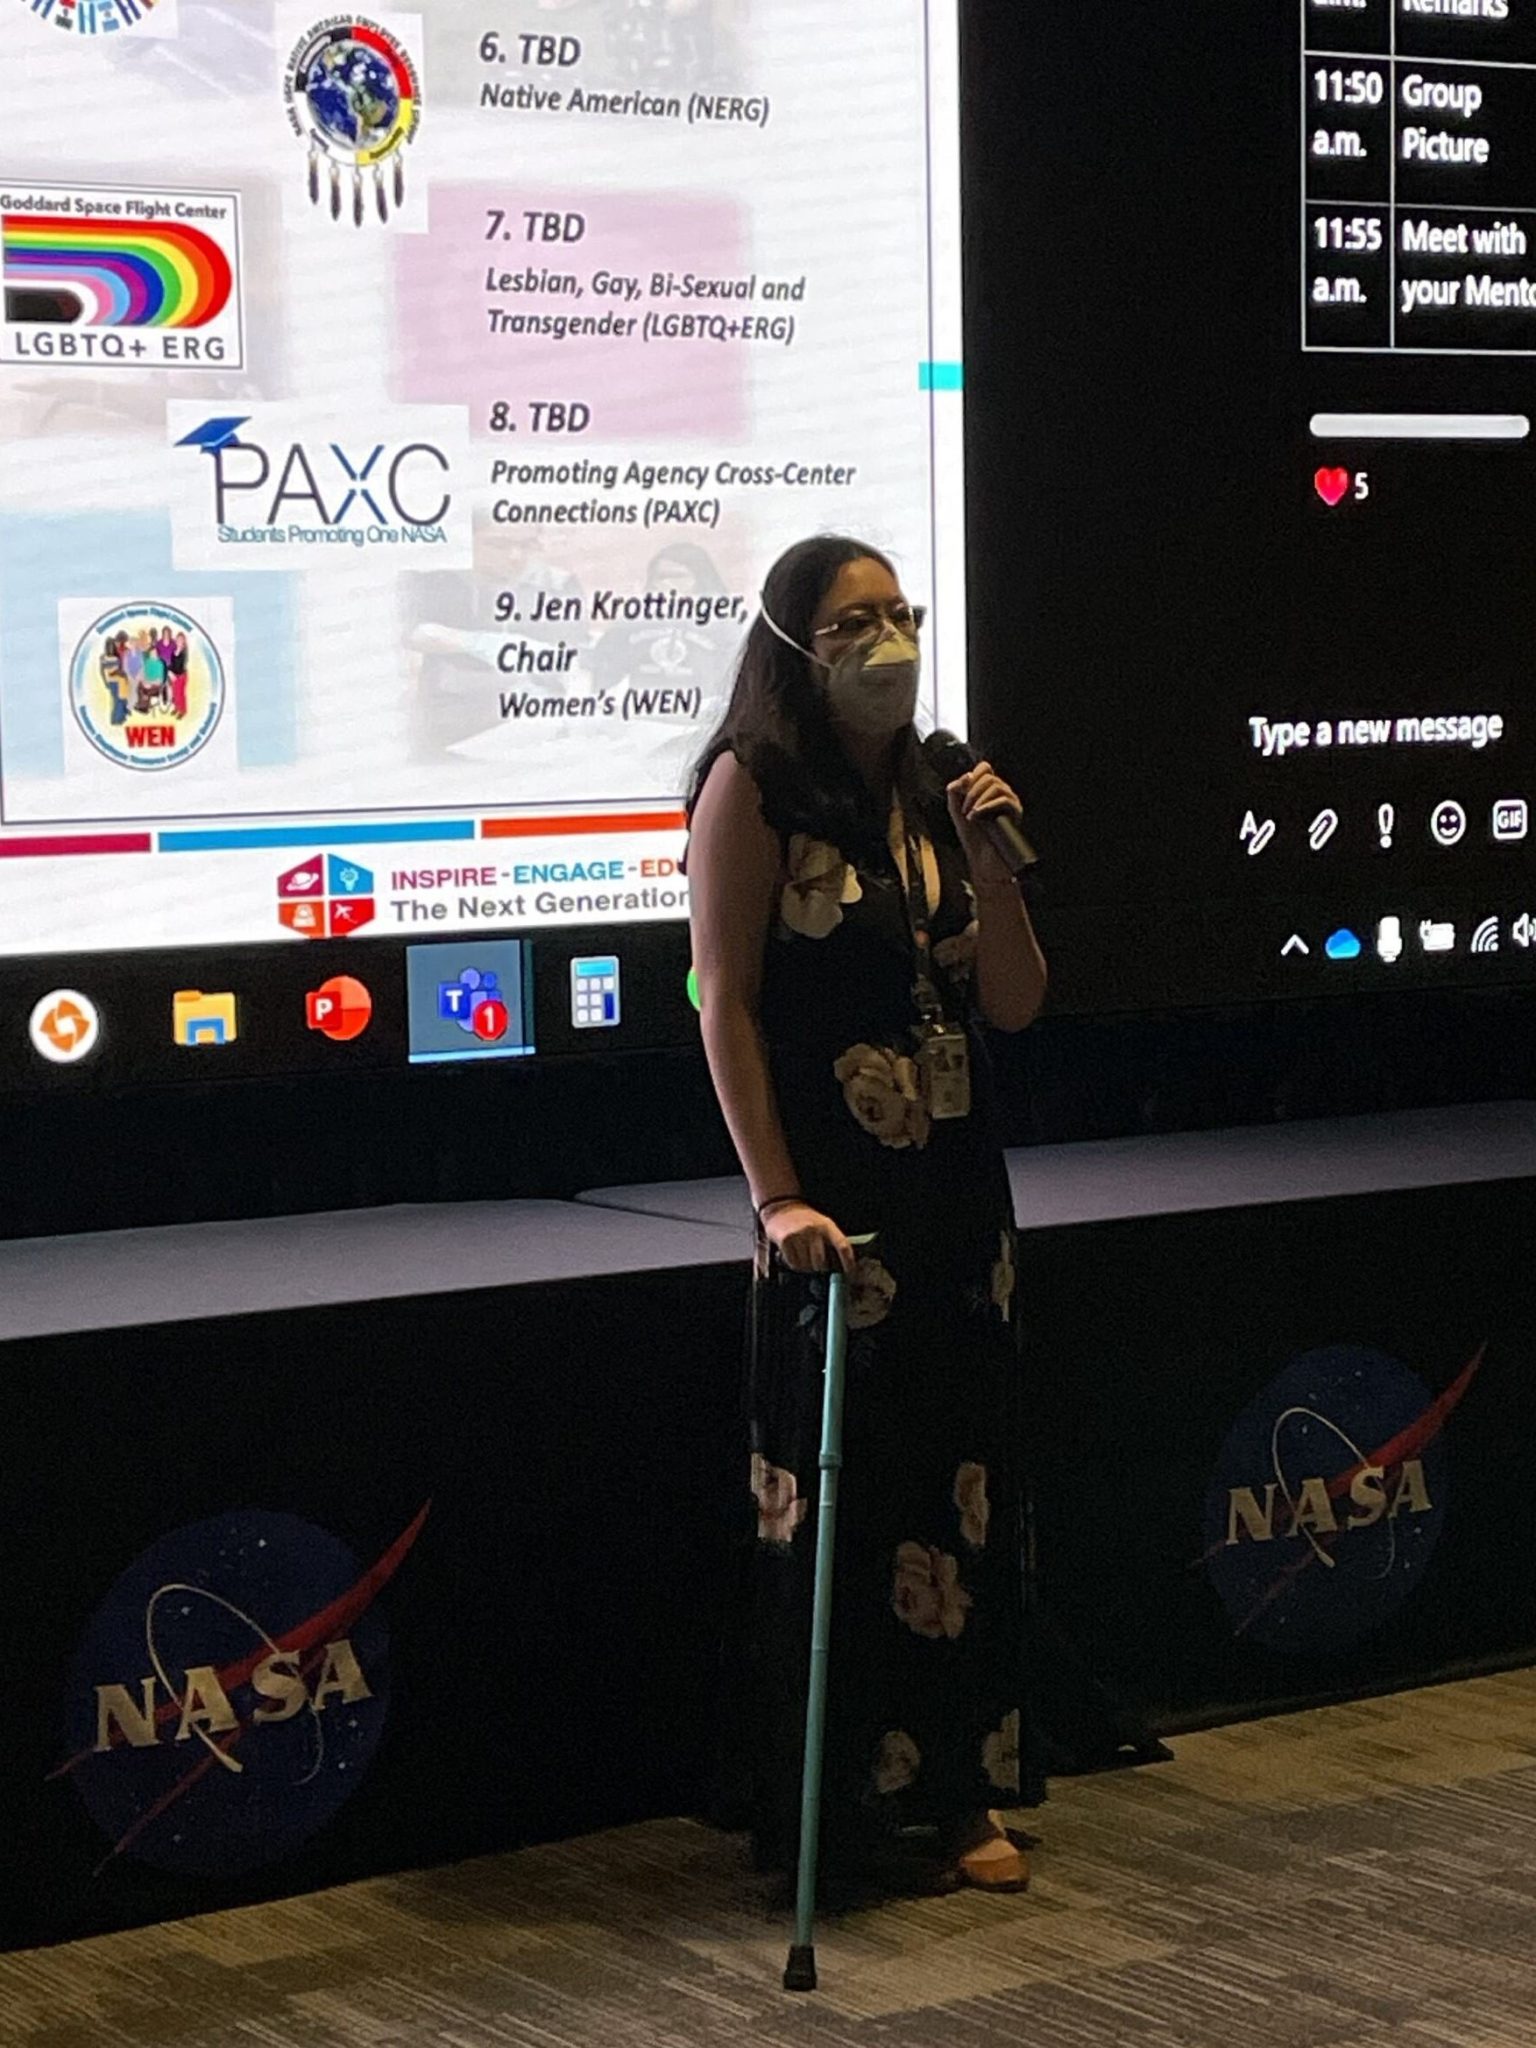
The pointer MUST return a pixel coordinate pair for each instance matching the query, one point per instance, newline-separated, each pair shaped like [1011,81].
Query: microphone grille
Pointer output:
[948,755]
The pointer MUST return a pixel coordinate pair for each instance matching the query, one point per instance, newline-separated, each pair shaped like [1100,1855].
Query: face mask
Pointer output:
[872,686]
[873,689]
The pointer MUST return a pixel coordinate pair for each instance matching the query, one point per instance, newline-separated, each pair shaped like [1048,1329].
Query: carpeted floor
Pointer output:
[1363,1875]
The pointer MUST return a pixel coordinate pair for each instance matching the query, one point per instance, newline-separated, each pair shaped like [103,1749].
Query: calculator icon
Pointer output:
[595,992]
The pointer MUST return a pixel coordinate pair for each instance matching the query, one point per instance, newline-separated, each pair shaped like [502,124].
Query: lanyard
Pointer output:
[914,898]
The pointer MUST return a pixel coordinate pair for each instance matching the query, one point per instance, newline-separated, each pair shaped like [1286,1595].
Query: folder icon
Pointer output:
[197,1019]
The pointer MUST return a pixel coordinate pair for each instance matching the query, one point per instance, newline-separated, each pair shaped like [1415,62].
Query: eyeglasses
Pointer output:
[868,619]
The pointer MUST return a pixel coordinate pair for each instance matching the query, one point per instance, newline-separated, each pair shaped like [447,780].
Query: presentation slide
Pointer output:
[398,412]
[1273,377]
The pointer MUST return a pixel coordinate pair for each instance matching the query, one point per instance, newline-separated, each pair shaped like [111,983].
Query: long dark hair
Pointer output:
[777,724]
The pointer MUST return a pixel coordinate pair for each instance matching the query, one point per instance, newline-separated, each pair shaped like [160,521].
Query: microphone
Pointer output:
[950,757]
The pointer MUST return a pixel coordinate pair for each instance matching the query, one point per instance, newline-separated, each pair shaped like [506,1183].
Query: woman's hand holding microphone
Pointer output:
[974,798]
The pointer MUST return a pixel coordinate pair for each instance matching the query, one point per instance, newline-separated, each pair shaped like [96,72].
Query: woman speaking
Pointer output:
[851,921]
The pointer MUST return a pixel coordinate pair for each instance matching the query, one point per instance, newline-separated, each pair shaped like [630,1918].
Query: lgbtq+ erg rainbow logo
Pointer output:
[106,273]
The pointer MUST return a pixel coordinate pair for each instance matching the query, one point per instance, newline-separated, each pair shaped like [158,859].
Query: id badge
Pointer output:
[944,1058]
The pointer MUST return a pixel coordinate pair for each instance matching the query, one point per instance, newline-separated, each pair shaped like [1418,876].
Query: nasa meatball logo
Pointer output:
[228,1695]
[1328,1499]
[147,686]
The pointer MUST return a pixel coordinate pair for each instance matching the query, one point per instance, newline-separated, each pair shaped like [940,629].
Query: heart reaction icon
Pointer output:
[1331,485]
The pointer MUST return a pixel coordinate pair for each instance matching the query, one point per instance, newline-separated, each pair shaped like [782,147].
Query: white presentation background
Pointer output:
[368,676]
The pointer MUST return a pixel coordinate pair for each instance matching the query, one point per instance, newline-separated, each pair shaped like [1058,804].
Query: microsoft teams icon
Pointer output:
[473,1001]
[470,1001]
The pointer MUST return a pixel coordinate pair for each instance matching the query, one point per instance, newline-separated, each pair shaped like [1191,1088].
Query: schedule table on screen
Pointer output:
[1419,176]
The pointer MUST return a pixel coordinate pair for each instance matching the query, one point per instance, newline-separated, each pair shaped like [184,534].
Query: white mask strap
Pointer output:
[774,627]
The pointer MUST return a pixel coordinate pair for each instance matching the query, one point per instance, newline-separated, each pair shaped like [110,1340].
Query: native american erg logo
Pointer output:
[353,95]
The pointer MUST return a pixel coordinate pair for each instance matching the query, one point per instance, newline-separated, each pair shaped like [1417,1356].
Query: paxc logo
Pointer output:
[383,494]
[298,484]
[229,1694]
[1328,1499]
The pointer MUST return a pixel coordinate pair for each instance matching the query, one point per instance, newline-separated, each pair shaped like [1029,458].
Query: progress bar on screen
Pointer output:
[1420,426]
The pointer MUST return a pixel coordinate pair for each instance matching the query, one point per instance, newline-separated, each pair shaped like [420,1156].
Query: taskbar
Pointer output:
[335,1006]
[1137,954]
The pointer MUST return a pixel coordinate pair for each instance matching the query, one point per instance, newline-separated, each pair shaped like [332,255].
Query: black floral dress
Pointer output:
[927,1657]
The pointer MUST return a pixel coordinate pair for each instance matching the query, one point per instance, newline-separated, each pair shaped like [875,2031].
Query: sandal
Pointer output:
[999,1862]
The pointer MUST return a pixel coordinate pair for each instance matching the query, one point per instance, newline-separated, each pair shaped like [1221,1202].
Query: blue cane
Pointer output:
[800,1969]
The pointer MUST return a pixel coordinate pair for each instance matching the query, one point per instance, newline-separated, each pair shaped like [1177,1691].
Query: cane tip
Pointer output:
[800,1970]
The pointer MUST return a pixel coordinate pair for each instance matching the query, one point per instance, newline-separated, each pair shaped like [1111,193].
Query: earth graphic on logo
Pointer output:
[353,96]
[354,100]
